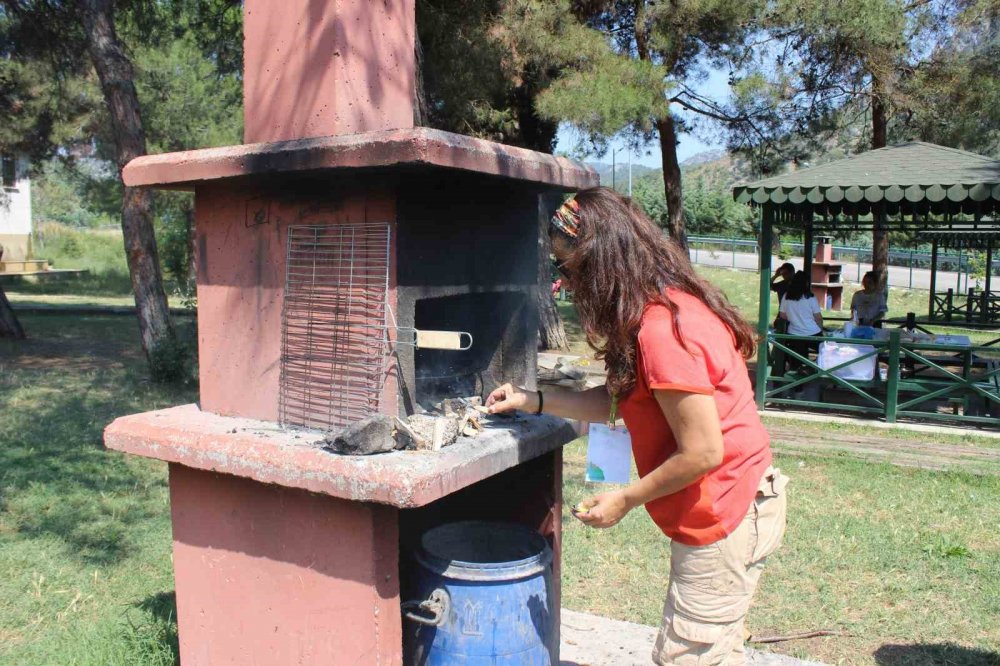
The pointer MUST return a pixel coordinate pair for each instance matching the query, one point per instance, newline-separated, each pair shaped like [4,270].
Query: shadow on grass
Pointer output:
[103,283]
[152,638]
[934,654]
[56,479]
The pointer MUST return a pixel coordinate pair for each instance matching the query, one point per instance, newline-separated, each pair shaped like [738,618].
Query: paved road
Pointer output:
[899,276]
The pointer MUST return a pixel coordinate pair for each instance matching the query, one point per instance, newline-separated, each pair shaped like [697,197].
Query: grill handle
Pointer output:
[421,339]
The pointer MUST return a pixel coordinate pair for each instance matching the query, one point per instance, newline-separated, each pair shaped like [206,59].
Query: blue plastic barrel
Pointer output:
[482,594]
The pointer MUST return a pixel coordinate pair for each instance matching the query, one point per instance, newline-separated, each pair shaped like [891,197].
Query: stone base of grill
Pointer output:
[286,553]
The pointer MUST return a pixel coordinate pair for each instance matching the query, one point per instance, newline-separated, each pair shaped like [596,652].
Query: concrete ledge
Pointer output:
[267,453]
[393,148]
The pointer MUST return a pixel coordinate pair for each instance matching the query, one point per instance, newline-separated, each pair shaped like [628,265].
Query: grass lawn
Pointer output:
[85,572]
[906,561]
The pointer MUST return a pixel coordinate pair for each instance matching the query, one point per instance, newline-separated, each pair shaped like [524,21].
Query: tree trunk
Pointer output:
[551,334]
[10,327]
[672,180]
[115,72]
[421,111]
[536,133]
[880,237]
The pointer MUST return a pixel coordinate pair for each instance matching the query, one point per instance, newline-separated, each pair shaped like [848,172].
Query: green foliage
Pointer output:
[810,88]
[709,208]
[714,212]
[42,107]
[186,102]
[623,94]
[75,193]
[944,547]
[975,264]
[648,193]
[955,98]
[100,252]
[170,362]
[471,92]
[189,98]
[174,235]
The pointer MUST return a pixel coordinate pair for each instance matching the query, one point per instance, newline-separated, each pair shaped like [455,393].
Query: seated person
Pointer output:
[800,308]
[781,279]
[868,306]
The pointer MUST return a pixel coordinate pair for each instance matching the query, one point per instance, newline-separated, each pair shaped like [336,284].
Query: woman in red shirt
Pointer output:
[675,351]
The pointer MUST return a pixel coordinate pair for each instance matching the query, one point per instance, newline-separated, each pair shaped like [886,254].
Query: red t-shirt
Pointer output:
[713,506]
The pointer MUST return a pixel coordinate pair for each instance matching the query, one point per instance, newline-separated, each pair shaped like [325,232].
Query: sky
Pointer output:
[715,86]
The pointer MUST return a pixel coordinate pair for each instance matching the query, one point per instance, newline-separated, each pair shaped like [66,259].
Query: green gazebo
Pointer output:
[919,187]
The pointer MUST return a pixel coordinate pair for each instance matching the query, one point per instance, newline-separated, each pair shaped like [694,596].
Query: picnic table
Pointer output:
[894,374]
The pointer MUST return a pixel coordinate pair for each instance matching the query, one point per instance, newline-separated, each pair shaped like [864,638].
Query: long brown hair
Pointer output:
[620,263]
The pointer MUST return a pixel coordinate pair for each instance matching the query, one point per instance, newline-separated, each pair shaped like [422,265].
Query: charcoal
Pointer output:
[458,406]
[375,434]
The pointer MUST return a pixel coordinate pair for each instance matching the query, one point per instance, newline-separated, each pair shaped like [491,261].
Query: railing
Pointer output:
[920,379]
[970,307]
[856,258]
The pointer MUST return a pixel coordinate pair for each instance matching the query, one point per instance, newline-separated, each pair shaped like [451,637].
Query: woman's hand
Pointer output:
[604,510]
[508,397]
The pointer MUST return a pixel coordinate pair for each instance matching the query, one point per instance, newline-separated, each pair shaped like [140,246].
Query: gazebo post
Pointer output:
[807,246]
[989,264]
[934,261]
[764,310]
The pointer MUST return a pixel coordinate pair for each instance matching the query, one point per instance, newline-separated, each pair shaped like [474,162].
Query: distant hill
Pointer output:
[720,173]
[719,170]
[703,157]
[716,169]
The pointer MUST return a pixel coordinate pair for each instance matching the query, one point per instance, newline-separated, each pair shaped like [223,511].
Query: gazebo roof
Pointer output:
[962,237]
[920,175]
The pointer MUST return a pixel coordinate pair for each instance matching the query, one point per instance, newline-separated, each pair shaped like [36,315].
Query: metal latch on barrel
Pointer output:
[432,611]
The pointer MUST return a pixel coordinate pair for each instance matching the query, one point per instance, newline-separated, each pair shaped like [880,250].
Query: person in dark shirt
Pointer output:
[781,279]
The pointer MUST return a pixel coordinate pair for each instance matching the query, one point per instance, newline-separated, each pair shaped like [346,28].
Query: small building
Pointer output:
[15,209]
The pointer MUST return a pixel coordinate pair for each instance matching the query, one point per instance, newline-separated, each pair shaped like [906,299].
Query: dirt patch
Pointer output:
[791,439]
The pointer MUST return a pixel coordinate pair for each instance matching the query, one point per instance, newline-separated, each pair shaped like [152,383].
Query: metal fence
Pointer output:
[741,253]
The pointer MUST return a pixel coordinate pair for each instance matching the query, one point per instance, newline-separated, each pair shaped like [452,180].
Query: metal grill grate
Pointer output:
[334,332]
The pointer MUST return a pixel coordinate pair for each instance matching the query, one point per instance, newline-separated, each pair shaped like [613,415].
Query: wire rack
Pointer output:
[334,342]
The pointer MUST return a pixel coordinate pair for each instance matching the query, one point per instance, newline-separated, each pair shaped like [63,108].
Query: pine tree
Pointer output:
[627,66]
[823,66]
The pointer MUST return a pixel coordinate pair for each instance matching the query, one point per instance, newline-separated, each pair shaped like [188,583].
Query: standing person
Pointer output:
[868,306]
[676,351]
[800,308]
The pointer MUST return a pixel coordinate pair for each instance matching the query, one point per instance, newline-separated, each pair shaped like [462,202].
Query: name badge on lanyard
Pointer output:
[609,450]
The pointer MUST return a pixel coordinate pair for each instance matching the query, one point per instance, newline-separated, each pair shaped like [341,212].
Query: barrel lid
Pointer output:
[479,550]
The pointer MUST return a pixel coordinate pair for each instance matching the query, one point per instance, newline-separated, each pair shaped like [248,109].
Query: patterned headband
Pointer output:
[567,218]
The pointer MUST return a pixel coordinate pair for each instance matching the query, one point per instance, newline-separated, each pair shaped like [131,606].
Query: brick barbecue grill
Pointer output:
[322,243]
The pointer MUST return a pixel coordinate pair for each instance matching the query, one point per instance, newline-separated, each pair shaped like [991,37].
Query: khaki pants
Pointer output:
[711,586]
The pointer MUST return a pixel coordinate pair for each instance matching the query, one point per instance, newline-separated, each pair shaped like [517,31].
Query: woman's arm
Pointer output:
[694,420]
[593,405]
